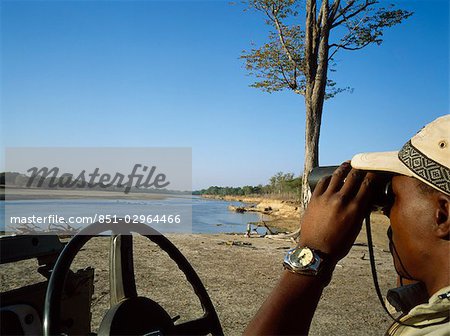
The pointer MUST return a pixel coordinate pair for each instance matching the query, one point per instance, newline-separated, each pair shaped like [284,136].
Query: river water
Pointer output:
[195,214]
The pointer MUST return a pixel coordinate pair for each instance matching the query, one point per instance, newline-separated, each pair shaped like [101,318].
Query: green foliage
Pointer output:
[279,64]
[280,185]
[273,67]
[364,24]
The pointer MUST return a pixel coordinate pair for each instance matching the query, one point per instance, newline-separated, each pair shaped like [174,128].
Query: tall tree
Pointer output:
[299,58]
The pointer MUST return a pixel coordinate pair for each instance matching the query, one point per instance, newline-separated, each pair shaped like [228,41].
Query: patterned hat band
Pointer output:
[429,170]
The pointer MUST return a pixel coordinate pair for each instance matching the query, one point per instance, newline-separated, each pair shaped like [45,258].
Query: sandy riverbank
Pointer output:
[11,194]
[275,207]
[238,277]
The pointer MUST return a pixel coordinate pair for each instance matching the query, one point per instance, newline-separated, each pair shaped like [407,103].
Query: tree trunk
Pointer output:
[316,54]
[312,133]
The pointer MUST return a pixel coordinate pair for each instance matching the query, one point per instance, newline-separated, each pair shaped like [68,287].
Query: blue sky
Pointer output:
[168,73]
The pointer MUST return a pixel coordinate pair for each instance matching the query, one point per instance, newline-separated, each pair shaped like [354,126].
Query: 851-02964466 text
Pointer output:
[146,219]
[102,218]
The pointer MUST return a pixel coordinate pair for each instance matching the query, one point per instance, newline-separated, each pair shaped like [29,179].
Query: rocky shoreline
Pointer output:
[267,206]
[283,215]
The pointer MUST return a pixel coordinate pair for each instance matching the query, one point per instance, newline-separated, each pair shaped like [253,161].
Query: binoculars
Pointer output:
[383,196]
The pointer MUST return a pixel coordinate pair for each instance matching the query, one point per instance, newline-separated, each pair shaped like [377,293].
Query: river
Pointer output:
[195,214]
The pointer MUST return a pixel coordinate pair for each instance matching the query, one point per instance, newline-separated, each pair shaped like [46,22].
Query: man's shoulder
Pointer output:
[431,318]
[438,302]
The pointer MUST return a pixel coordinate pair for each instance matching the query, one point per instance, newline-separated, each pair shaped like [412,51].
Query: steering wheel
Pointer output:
[129,314]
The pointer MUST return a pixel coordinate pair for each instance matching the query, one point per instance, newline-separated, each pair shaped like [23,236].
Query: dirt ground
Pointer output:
[238,273]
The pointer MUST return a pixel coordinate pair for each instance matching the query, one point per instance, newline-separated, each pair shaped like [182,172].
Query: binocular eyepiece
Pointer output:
[382,192]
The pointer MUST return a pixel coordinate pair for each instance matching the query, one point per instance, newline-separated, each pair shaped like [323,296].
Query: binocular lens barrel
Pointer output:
[318,173]
[382,194]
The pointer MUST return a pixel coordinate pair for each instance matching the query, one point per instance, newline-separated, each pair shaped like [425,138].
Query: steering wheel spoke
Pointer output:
[121,268]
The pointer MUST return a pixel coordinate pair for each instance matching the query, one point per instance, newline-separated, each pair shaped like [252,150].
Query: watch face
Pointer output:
[302,257]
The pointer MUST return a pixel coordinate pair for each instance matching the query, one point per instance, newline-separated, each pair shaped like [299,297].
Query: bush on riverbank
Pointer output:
[283,186]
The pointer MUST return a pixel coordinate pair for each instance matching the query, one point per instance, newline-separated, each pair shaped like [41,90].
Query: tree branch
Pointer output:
[343,10]
[283,41]
[334,51]
[267,12]
[293,84]
[344,46]
[322,48]
[359,10]
[334,9]
[310,68]
[356,48]
[346,41]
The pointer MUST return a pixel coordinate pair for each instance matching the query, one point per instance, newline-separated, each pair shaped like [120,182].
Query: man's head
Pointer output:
[420,214]
[420,221]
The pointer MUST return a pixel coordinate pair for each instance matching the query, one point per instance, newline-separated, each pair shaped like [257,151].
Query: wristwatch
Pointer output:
[307,261]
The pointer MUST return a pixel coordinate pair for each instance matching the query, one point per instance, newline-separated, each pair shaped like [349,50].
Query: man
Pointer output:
[420,227]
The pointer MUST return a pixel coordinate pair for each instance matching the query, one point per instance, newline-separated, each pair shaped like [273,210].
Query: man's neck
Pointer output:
[438,276]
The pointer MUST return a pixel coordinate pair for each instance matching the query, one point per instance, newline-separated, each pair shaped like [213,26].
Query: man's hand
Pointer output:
[330,224]
[335,213]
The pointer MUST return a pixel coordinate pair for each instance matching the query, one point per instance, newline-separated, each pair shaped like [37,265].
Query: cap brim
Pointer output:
[381,161]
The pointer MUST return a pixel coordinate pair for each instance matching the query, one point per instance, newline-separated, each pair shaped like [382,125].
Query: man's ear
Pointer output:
[442,216]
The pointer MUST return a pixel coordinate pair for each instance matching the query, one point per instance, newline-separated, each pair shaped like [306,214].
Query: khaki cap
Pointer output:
[426,156]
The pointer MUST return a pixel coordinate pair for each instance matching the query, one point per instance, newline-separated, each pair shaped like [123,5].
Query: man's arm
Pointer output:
[330,224]
[289,308]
